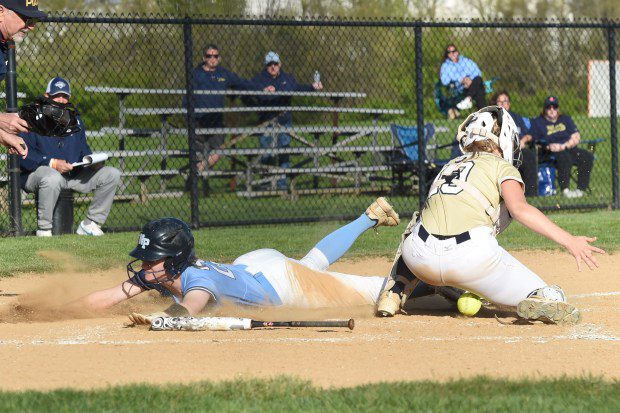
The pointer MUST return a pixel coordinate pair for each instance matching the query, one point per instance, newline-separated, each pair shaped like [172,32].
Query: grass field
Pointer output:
[19,255]
[289,395]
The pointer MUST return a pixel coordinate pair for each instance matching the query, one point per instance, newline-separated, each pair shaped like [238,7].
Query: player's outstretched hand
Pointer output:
[141,319]
[581,249]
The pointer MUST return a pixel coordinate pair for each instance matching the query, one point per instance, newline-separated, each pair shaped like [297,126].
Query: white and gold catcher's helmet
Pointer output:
[479,127]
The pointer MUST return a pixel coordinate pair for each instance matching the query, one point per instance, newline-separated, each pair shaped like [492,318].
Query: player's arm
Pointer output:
[104,299]
[531,217]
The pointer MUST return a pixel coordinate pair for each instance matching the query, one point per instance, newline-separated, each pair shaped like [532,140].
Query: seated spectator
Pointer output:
[209,75]
[273,78]
[528,168]
[465,75]
[559,136]
[48,168]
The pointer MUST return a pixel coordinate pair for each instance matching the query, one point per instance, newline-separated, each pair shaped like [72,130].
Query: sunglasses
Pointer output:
[272,64]
[452,51]
[552,107]
[214,56]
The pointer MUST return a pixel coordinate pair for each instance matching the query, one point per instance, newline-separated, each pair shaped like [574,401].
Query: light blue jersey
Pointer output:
[229,283]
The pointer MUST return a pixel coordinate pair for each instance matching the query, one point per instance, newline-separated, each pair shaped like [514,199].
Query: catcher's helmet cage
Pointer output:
[479,127]
[169,239]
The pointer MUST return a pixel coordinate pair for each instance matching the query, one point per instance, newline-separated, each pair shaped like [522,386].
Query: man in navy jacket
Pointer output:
[48,168]
[273,78]
[211,76]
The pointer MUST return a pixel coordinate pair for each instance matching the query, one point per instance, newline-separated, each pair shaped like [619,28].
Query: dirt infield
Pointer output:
[41,349]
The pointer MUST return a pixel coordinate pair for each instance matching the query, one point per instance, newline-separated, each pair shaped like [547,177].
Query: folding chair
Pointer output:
[446,97]
[404,159]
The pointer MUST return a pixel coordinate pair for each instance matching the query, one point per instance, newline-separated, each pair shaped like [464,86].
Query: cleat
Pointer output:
[382,212]
[556,312]
[389,304]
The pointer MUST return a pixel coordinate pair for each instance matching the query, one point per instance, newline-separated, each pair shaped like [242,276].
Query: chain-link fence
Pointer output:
[145,99]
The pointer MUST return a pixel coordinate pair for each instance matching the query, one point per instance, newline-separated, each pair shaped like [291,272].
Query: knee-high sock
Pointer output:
[338,242]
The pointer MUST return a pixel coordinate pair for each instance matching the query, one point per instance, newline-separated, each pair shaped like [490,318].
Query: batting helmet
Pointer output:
[169,239]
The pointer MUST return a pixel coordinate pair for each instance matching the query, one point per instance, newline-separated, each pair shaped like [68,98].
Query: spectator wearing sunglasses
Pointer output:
[17,17]
[528,168]
[559,136]
[465,75]
[272,76]
[209,75]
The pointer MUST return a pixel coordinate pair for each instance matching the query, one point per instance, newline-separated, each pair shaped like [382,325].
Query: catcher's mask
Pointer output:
[169,239]
[479,127]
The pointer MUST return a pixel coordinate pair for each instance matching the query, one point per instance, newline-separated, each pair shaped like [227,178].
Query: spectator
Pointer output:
[48,168]
[211,76]
[17,17]
[559,135]
[465,75]
[274,78]
[528,168]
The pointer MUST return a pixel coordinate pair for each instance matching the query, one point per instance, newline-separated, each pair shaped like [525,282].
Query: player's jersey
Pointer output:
[450,210]
[229,283]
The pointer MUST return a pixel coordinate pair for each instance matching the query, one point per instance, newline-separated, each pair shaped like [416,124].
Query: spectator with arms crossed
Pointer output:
[528,168]
[211,76]
[465,74]
[272,77]
[558,133]
[48,168]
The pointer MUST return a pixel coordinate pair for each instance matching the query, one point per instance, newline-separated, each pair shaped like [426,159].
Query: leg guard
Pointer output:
[401,282]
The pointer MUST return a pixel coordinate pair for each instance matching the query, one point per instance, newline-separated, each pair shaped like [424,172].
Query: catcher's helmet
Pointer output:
[169,239]
[479,127]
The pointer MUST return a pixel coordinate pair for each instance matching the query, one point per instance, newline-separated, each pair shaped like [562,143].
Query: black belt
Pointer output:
[460,238]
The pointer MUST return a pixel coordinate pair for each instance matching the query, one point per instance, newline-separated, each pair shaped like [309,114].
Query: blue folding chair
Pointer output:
[404,159]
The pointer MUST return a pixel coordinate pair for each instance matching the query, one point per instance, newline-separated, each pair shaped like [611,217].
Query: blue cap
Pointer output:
[272,57]
[58,85]
[28,8]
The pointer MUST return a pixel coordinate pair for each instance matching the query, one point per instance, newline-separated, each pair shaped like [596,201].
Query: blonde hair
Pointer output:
[487,145]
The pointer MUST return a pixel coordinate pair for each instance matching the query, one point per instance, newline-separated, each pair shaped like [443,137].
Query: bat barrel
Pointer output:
[350,324]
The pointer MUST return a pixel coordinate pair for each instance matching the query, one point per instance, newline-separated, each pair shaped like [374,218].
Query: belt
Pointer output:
[460,238]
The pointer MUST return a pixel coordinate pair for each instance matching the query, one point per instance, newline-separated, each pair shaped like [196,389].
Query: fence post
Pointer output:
[419,91]
[613,119]
[15,193]
[191,127]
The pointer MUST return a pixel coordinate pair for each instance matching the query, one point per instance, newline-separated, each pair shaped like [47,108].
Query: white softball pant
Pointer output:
[478,265]
[306,283]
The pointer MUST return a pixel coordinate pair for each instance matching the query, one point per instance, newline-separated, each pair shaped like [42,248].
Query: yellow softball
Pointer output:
[469,304]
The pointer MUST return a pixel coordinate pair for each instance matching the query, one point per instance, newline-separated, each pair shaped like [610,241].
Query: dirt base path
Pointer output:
[40,353]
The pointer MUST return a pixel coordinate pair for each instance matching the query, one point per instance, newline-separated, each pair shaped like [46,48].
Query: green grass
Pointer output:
[290,395]
[226,243]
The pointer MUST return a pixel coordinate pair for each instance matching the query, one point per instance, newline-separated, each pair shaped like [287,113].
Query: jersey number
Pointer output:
[452,189]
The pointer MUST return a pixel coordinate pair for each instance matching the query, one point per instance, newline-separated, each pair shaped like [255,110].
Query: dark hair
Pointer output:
[445,50]
[209,47]
[496,96]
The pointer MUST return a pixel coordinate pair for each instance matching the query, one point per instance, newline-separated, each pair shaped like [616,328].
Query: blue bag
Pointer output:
[546,180]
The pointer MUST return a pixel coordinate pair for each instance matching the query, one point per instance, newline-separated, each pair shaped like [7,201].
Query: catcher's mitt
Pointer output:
[49,118]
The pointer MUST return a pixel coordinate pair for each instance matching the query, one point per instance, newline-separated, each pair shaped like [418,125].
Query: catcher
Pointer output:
[17,17]
[58,140]
[472,199]
[263,277]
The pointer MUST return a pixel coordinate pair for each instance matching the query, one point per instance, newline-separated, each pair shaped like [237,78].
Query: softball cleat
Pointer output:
[556,312]
[382,212]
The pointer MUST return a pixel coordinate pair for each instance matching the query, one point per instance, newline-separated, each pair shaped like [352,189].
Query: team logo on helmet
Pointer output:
[144,241]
